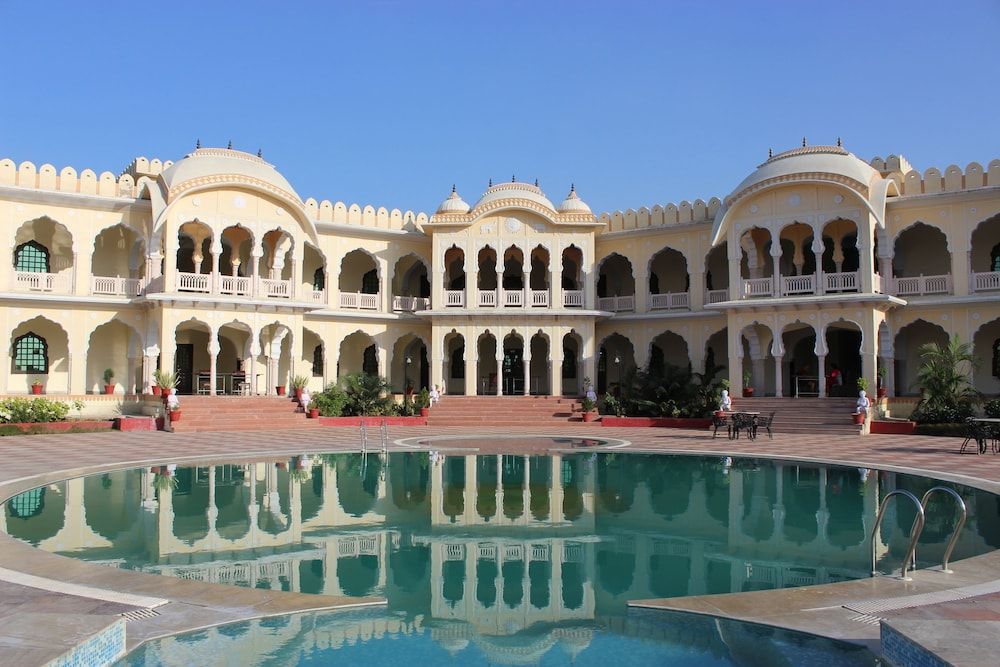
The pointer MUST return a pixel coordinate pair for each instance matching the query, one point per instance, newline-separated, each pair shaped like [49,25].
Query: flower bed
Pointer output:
[135,424]
[893,427]
[656,422]
[61,427]
[372,421]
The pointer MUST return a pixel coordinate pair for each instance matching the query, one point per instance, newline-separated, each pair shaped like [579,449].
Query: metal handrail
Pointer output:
[915,529]
[958,528]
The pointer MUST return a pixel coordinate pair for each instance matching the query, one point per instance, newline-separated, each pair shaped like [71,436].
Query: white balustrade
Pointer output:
[454,298]
[754,287]
[793,285]
[986,281]
[319,295]
[193,282]
[234,285]
[923,285]
[668,301]
[487,298]
[273,288]
[847,281]
[716,295]
[513,298]
[616,304]
[539,298]
[359,301]
[115,286]
[27,281]
[573,298]
[409,304]
[349,300]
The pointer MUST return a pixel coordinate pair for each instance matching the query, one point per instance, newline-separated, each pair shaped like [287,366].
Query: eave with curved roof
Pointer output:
[514,195]
[829,165]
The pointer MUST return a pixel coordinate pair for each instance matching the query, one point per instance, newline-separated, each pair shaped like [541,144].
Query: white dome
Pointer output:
[514,190]
[833,160]
[573,203]
[221,162]
[453,204]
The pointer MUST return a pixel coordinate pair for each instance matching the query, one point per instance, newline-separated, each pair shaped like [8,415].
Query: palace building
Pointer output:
[214,267]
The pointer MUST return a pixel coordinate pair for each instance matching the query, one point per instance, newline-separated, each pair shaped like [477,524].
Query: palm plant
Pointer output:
[367,394]
[946,378]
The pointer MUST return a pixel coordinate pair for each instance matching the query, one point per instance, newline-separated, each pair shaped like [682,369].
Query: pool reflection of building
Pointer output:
[481,546]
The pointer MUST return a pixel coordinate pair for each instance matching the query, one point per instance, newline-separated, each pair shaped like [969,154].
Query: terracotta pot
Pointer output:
[883,392]
[313,413]
[159,426]
[589,416]
[156,390]
[36,389]
[280,389]
[859,418]
[298,395]
[424,412]
[175,416]
[747,392]
[109,389]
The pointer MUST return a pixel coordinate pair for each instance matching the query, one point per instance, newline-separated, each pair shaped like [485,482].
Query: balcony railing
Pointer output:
[796,285]
[539,298]
[235,285]
[923,285]
[513,298]
[454,298]
[616,304]
[27,281]
[114,286]
[281,289]
[573,298]
[410,304]
[359,301]
[716,295]
[318,295]
[669,301]
[847,281]
[757,287]
[488,298]
[194,282]
[986,281]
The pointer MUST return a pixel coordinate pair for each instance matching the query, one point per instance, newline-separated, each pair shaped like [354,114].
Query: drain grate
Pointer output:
[867,619]
[139,614]
[874,606]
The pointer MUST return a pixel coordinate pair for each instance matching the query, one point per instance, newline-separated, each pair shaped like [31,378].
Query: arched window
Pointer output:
[31,354]
[995,258]
[318,361]
[370,363]
[569,363]
[996,358]
[319,280]
[27,504]
[32,257]
[369,282]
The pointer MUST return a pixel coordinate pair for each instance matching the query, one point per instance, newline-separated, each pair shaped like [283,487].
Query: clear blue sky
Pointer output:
[390,102]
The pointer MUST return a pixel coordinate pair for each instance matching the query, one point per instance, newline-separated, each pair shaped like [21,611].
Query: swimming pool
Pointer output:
[495,548]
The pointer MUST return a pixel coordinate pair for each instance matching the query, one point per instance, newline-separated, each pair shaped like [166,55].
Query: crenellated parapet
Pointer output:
[87,182]
[339,213]
[933,180]
[668,215]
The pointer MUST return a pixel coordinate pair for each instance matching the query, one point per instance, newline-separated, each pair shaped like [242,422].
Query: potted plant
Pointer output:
[109,387]
[423,401]
[299,383]
[36,387]
[588,408]
[312,410]
[883,391]
[280,390]
[862,384]
[156,382]
[747,379]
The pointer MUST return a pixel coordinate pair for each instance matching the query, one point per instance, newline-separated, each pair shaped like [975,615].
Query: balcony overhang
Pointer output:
[487,313]
[882,302]
[228,302]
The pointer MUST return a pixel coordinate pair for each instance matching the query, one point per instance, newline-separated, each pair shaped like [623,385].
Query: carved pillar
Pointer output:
[817,248]
[526,362]
[500,376]
[214,285]
[213,360]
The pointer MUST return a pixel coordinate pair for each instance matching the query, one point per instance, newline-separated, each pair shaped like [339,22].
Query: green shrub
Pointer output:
[331,401]
[423,399]
[943,430]
[992,408]
[368,396]
[668,391]
[34,410]
[945,375]
[928,412]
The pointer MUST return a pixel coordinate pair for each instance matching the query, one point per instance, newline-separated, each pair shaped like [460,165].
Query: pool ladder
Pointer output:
[383,431]
[910,559]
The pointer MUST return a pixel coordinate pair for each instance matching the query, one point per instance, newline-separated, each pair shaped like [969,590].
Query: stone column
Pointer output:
[526,362]
[215,283]
[778,380]
[775,269]
[555,278]
[961,270]
[471,368]
[735,275]
[885,271]
[255,257]
[821,373]
[213,360]
[759,374]
[252,370]
[817,248]
[555,371]
[500,377]
[641,293]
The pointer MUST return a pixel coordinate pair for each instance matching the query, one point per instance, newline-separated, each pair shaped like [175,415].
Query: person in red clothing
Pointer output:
[834,379]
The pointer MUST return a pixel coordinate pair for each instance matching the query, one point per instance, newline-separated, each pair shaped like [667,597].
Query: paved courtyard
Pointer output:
[97,595]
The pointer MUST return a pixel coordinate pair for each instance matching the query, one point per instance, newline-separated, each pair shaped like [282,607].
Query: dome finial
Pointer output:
[770,153]
[197,144]
[491,183]
[840,144]
[572,187]
[803,142]
[260,153]
[453,189]
[513,179]
[230,146]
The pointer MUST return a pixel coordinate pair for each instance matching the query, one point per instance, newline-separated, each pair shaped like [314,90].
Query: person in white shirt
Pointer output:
[435,395]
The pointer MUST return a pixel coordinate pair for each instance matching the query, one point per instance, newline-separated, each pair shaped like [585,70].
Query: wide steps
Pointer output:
[479,411]
[240,413]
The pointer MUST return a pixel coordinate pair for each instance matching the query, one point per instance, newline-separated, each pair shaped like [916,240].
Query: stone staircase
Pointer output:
[505,411]
[241,413]
[818,416]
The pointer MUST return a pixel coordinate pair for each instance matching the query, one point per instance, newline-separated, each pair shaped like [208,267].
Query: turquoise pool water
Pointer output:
[499,550]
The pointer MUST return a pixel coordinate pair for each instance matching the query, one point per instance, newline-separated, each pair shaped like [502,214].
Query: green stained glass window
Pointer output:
[31,354]
[31,257]
[319,280]
[369,282]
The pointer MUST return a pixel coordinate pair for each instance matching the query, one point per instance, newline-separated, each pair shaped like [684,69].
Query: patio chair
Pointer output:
[978,433]
[718,422]
[765,423]
[740,422]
